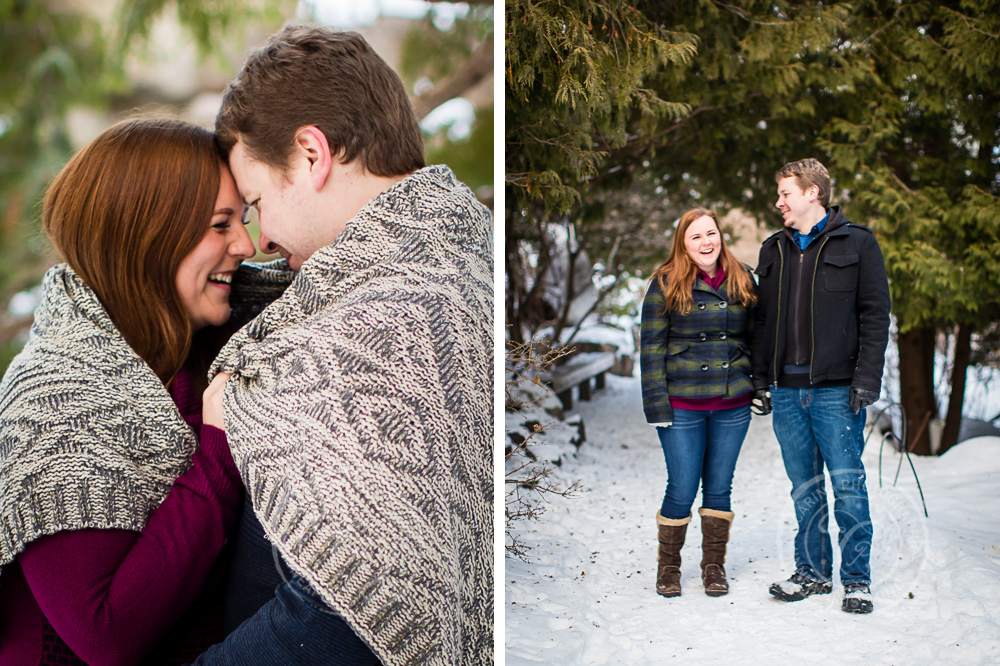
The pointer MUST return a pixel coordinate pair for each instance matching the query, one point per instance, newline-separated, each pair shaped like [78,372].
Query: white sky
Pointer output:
[355,13]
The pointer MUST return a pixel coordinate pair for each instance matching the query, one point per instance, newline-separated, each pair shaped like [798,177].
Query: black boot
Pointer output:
[799,587]
[857,598]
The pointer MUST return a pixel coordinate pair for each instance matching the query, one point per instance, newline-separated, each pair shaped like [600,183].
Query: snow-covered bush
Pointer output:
[537,439]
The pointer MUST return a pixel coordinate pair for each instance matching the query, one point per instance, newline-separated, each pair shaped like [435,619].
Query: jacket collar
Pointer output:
[836,225]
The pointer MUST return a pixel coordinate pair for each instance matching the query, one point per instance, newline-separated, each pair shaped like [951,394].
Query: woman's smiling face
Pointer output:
[703,243]
[205,275]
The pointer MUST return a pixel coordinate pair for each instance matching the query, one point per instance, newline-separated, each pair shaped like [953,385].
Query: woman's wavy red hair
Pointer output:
[124,212]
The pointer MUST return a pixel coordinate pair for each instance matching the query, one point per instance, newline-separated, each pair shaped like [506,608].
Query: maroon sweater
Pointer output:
[108,596]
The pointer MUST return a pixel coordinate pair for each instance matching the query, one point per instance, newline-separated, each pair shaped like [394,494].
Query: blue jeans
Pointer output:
[254,572]
[816,427]
[295,627]
[278,622]
[701,447]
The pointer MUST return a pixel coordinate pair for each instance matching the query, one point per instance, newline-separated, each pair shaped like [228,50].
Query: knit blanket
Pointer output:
[360,417]
[89,436]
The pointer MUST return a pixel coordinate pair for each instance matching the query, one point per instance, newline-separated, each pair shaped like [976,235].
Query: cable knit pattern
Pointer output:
[89,436]
[361,420]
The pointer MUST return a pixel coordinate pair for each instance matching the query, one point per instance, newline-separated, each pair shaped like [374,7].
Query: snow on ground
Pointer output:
[588,594]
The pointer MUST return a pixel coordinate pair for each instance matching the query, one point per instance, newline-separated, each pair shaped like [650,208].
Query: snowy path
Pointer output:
[588,596]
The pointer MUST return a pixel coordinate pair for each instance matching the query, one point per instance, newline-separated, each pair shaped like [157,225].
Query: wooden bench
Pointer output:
[578,371]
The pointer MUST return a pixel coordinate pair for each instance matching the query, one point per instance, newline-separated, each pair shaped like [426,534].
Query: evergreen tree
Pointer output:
[919,151]
[574,80]
[899,100]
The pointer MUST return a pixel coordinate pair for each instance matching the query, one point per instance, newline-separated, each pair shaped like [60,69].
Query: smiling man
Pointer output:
[822,326]
[359,408]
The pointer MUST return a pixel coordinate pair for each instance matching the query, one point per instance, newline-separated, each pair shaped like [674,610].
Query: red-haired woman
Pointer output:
[115,500]
[696,389]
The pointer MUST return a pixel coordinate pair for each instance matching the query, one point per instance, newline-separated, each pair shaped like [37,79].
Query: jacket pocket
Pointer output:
[840,272]
[763,269]
[675,348]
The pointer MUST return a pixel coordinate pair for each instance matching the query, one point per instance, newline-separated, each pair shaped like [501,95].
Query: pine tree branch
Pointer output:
[872,36]
[968,23]
[746,17]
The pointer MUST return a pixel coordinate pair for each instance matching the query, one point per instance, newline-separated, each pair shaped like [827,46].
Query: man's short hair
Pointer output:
[807,173]
[335,81]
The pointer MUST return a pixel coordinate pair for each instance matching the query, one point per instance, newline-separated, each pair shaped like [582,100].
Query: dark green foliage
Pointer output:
[574,79]
[919,144]
[432,53]
[55,59]
[471,158]
[51,61]
[901,100]
[575,93]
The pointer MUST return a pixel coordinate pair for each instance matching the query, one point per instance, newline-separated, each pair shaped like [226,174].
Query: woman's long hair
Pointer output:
[124,212]
[676,275]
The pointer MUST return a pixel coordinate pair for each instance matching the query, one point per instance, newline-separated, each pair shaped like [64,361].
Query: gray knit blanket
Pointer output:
[89,436]
[360,417]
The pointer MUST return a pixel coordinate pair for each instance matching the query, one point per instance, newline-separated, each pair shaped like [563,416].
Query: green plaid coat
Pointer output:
[703,354]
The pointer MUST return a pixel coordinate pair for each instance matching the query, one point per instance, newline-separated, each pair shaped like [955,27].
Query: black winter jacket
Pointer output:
[849,311]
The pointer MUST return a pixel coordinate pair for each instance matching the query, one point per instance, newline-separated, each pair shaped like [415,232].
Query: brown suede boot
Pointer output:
[670,533]
[714,537]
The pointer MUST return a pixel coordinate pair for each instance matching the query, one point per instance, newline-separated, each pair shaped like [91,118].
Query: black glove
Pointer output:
[861,398]
[760,404]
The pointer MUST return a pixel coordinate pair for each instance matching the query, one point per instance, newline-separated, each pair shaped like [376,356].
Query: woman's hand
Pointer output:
[211,408]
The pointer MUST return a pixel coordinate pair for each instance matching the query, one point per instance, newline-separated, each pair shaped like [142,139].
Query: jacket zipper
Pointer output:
[795,342]
[812,312]
[777,327]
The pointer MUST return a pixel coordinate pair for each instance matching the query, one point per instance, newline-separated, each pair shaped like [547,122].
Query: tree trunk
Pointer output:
[477,67]
[569,292]
[916,384]
[525,308]
[953,420]
[515,283]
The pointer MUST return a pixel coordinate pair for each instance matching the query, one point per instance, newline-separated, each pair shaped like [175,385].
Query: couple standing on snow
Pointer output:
[811,337]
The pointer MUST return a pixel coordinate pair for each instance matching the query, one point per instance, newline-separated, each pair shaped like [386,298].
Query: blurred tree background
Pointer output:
[620,115]
[70,68]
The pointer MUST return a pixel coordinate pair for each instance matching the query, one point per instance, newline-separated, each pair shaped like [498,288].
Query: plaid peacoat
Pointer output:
[703,354]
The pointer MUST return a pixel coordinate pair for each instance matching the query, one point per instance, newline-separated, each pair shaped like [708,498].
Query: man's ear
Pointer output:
[312,145]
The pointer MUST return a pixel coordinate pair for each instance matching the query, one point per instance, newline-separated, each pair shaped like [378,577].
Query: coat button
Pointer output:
[704,366]
[722,336]
[723,305]
[703,336]
[725,364]
[701,306]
